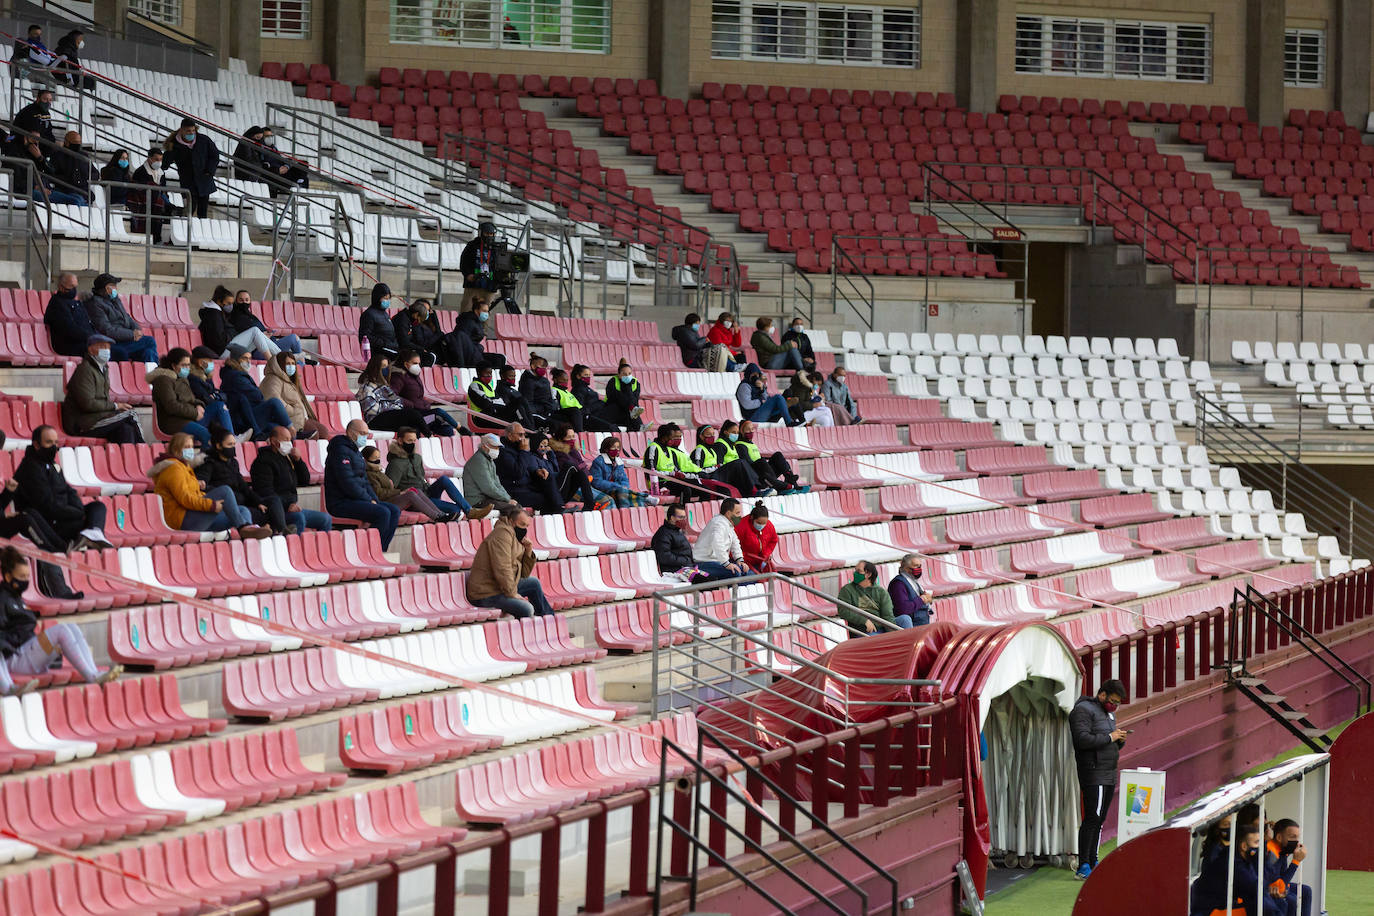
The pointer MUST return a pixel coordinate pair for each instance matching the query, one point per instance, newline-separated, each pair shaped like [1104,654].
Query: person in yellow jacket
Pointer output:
[186,505]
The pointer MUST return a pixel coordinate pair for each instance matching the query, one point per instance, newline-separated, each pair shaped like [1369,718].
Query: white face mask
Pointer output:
[728,323]
[285,447]
[413,368]
[492,452]
[81,44]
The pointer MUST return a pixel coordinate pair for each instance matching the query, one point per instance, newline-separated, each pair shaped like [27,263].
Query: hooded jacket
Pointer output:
[17,623]
[174,402]
[405,469]
[214,327]
[538,393]
[195,163]
[88,397]
[413,334]
[277,384]
[69,326]
[240,318]
[690,343]
[500,563]
[175,482]
[374,325]
[1096,754]
[345,474]
[108,317]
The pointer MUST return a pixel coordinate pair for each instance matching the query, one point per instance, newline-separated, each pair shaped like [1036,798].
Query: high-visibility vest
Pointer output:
[751,451]
[566,400]
[487,391]
[666,459]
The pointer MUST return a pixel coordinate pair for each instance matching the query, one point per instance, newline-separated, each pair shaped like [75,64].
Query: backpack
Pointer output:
[715,358]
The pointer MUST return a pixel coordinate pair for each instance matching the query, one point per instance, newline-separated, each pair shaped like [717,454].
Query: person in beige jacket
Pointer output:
[500,575]
[281,379]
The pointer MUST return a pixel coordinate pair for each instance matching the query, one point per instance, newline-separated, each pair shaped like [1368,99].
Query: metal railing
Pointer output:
[845,277]
[1297,487]
[31,235]
[802,293]
[717,640]
[705,794]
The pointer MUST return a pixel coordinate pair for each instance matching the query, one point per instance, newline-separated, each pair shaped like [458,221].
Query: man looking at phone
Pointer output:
[1097,744]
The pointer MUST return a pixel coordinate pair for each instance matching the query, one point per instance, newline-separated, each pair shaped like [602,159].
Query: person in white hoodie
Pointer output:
[717,551]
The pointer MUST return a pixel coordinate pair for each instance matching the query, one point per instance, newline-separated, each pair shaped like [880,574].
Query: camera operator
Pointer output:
[478,264]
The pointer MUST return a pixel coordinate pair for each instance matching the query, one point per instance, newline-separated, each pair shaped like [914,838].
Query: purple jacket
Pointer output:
[906,600]
[410,389]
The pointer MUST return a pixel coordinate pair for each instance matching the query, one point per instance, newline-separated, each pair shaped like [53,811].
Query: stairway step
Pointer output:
[1250,682]
[1314,733]
[1292,715]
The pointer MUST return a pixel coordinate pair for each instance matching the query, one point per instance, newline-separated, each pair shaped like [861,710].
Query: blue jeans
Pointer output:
[267,414]
[289,343]
[382,516]
[444,424]
[716,572]
[68,198]
[790,358]
[448,497]
[143,350]
[531,600]
[774,408]
[231,516]
[309,518]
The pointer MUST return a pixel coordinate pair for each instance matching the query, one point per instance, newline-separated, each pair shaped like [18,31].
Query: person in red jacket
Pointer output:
[726,331]
[758,539]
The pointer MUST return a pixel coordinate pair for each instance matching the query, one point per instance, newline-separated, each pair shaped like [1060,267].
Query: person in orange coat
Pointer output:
[726,331]
[186,506]
[758,539]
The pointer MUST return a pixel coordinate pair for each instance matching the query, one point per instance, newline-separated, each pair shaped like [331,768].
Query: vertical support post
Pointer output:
[639,848]
[446,885]
[596,864]
[549,842]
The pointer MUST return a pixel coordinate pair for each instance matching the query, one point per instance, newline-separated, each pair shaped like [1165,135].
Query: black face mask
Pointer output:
[1290,847]
[16,587]
[409,447]
[520,533]
[48,454]
[226,453]
[44,107]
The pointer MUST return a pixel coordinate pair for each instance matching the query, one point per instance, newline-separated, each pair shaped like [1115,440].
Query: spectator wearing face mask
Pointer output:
[689,341]
[31,59]
[709,455]
[405,379]
[415,332]
[347,493]
[796,335]
[281,379]
[248,408]
[528,477]
[281,173]
[909,598]
[72,169]
[406,470]
[242,319]
[187,505]
[568,408]
[196,158]
[375,330]
[717,552]
[463,345]
[202,382]
[120,171]
[610,478]
[109,317]
[218,332]
[149,209]
[481,484]
[34,176]
[247,165]
[725,331]
[672,469]
[774,355]
[758,539]
[69,68]
[36,118]
[1097,743]
[671,549]
[574,480]
[221,469]
[538,393]
[491,410]
[277,473]
[622,399]
[842,405]
[501,575]
[593,408]
[175,405]
[774,472]
[87,409]
[1283,854]
[382,407]
[757,404]
[25,649]
[42,489]
[864,593]
[406,499]
[69,327]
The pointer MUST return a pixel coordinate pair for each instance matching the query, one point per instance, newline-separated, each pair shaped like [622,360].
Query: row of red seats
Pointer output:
[1356,153]
[1204,132]
[753,92]
[1135,111]
[914,264]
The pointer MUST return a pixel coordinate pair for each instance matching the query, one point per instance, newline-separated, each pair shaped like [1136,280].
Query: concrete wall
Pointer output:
[1111,300]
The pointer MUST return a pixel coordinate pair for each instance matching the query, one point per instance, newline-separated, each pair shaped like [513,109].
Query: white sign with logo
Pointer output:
[1140,802]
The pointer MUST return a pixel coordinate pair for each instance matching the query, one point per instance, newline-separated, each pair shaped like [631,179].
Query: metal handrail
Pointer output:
[837,253]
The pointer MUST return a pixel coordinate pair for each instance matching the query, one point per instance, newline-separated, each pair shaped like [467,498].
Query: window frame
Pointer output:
[152,9]
[305,19]
[1093,47]
[834,34]
[486,24]
[1293,70]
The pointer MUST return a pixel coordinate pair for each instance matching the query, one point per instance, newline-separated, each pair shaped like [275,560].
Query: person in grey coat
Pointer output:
[1097,744]
[836,393]
[109,318]
[481,485]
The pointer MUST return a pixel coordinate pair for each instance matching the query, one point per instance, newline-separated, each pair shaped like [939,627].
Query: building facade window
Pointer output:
[1114,48]
[539,25]
[167,12]
[821,33]
[1304,58]
[285,19]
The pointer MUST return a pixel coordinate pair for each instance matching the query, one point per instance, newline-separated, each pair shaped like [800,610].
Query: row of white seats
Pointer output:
[1068,432]
[1359,416]
[1290,375]
[1068,367]
[941,344]
[1353,395]
[1262,351]
[1028,388]
[1088,411]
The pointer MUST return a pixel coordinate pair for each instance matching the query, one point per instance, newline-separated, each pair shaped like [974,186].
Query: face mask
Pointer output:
[491,452]
[269,141]
[675,442]
[707,439]
[48,454]
[727,323]
[209,368]
[285,447]
[798,328]
[102,356]
[482,316]
[627,378]
[697,326]
[360,441]
[839,379]
[184,372]
[123,163]
[187,454]
[612,453]
[759,526]
[413,368]
[521,533]
[733,437]
[859,578]
[408,447]
[542,371]
[17,587]
[189,136]
[81,44]
[227,452]
[290,369]
[385,303]
[768,330]
[154,168]
[114,294]
[748,437]
[1110,706]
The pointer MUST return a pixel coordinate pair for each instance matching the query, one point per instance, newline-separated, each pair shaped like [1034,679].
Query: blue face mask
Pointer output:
[360,441]
[290,368]
[187,454]
[483,316]
[114,294]
[210,368]
[103,355]
[733,437]
[184,371]
[123,163]
[697,327]
[385,303]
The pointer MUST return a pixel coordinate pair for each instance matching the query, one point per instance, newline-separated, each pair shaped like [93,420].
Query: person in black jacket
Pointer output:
[196,158]
[670,545]
[374,325]
[43,489]
[528,478]
[347,494]
[280,173]
[26,650]
[622,399]
[248,407]
[689,341]
[148,205]
[72,169]
[477,263]
[69,327]
[463,345]
[69,47]
[797,333]
[36,118]
[241,319]
[120,169]
[247,162]
[593,410]
[414,331]
[1097,744]
[110,318]
[221,469]
[277,472]
[202,382]
[538,392]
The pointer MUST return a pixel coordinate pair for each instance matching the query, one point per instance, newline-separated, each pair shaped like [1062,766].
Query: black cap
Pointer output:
[104,280]
[189,122]
[202,352]
[486,227]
